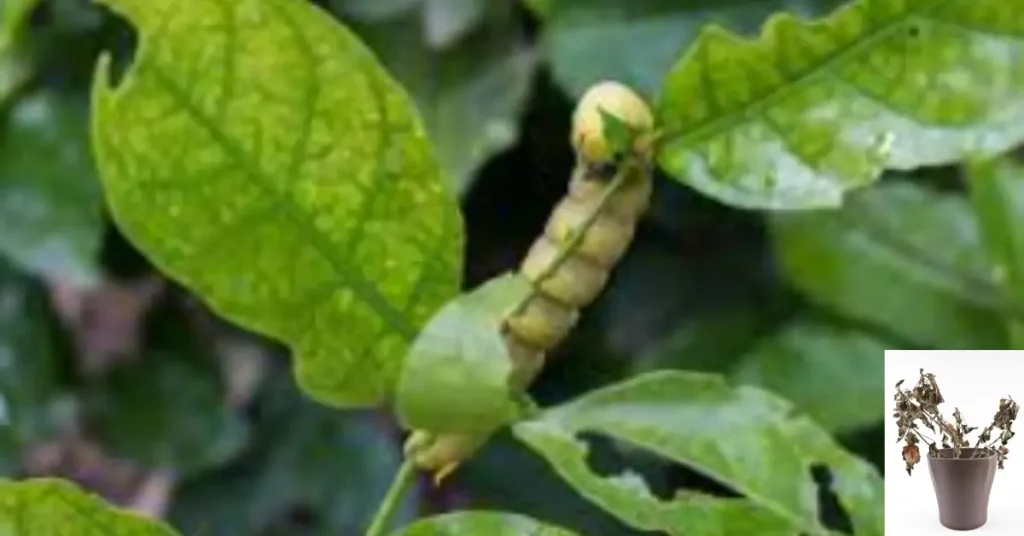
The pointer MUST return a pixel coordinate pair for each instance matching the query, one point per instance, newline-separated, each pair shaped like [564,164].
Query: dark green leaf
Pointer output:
[50,201]
[811,110]
[257,153]
[743,437]
[833,374]
[168,408]
[478,523]
[51,507]
[470,95]
[636,41]
[373,10]
[336,465]
[899,256]
[997,192]
[31,405]
[456,376]
[446,21]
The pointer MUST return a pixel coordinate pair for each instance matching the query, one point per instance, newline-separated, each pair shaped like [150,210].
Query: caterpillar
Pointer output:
[586,235]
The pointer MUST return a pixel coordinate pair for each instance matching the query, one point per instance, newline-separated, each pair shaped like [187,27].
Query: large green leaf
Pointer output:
[52,507]
[167,408]
[505,475]
[476,523]
[834,374]
[456,377]
[997,193]
[50,201]
[743,437]
[258,153]
[636,41]
[902,257]
[335,465]
[470,95]
[810,110]
[31,407]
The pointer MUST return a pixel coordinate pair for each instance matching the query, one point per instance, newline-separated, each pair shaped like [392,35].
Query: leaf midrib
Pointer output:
[355,280]
[711,127]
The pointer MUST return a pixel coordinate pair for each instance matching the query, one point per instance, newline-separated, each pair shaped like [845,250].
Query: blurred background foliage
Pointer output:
[114,377]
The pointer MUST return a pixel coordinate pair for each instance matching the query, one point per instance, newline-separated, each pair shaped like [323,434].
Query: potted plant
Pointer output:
[962,473]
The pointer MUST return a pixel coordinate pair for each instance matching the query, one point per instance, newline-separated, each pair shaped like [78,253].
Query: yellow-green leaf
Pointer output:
[456,377]
[258,153]
[810,110]
[53,507]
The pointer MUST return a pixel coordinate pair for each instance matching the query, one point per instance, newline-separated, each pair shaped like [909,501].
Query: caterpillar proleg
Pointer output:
[586,235]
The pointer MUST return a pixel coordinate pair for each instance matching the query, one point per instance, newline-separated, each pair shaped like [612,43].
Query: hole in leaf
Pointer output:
[830,511]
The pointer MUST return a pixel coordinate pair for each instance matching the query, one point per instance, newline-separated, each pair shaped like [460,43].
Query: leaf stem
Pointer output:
[403,479]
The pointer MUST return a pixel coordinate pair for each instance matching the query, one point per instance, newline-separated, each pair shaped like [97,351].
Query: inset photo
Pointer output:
[951,460]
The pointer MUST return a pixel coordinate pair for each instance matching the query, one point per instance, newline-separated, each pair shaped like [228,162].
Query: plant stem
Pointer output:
[403,479]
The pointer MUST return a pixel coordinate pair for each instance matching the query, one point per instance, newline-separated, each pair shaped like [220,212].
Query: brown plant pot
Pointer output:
[962,487]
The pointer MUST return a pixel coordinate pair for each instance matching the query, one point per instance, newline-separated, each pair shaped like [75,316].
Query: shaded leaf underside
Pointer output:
[808,111]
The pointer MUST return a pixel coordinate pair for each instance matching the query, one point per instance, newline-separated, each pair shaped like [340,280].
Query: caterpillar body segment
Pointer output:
[586,236]
[569,265]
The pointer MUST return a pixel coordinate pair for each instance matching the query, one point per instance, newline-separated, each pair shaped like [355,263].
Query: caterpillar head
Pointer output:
[588,122]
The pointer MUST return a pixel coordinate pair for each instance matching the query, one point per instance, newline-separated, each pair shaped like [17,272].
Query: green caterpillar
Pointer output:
[586,235]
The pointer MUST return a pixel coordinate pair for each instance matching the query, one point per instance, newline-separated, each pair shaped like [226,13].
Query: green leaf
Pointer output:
[53,507]
[168,407]
[258,153]
[832,373]
[447,21]
[31,404]
[996,189]
[810,110]
[471,95]
[901,257]
[336,465]
[743,437]
[456,376]
[475,523]
[505,475]
[51,205]
[636,41]
[372,10]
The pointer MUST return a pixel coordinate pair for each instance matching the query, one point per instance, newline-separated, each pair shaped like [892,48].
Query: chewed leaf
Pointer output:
[628,497]
[52,507]
[808,111]
[744,437]
[476,523]
[456,376]
[258,153]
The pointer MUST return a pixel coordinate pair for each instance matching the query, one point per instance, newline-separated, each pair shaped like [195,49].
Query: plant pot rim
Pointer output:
[989,453]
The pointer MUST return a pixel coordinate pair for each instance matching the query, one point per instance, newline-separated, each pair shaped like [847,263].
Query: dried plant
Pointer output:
[917,410]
